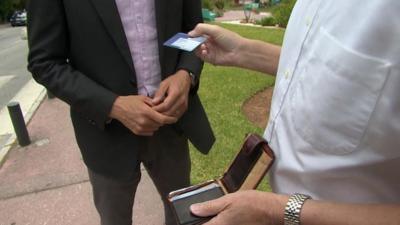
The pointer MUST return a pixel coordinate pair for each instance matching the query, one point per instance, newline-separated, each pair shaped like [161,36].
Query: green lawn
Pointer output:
[223,91]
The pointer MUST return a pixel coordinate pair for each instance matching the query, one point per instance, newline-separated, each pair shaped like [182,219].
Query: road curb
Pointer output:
[4,25]
[30,97]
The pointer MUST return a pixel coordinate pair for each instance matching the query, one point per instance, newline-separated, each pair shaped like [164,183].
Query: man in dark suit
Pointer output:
[132,100]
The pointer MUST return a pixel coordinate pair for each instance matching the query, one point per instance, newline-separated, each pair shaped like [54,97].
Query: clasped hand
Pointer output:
[144,115]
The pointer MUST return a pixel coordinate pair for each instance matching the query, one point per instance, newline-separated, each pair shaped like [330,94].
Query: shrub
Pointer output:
[266,21]
[219,7]
[282,12]
[220,4]
[219,12]
[229,4]
[207,4]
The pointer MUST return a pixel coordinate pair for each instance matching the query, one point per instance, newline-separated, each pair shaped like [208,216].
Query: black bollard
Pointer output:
[18,122]
[50,95]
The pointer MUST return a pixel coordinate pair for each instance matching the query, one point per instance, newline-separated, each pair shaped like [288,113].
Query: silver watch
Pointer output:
[293,209]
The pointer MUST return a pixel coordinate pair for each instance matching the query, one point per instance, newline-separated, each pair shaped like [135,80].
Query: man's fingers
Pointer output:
[175,108]
[159,96]
[158,118]
[143,126]
[198,51]
[167,119]
[161,118]
[148,101]
[202,52]
[209,208]
[165,105]
[204,29]
[142,130]
[147,124]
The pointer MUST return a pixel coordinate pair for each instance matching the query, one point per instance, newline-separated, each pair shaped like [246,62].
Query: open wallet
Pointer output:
[245,173]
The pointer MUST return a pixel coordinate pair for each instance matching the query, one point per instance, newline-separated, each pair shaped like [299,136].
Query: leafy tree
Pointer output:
[7,7]
[19,4]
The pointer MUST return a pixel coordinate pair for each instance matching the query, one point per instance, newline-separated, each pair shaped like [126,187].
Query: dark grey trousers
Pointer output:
[166,159]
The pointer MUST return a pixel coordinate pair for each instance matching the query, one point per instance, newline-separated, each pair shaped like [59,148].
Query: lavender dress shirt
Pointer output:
[139,22]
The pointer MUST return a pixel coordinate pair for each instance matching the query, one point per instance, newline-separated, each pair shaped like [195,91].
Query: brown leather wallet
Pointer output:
[245,173]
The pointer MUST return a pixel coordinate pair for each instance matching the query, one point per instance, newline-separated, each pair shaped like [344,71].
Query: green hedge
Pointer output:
[207,4]
[282,11]
[267,21]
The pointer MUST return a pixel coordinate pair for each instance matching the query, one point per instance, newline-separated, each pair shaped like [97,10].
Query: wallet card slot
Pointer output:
[195,192]
[188,189]
[181,206]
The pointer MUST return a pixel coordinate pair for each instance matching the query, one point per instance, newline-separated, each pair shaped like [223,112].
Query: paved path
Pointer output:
[3,25]
[47,182]
[238,15]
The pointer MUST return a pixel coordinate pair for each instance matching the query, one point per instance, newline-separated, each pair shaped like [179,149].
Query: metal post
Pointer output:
[18,122]
[50,95]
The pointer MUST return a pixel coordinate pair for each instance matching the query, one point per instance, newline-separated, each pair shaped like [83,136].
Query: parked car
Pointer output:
[18,18]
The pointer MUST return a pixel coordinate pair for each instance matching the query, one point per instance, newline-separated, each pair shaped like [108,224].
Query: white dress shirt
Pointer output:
[335,115]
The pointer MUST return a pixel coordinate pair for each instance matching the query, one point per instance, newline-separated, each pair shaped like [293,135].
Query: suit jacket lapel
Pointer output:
[160,6]
[108,12]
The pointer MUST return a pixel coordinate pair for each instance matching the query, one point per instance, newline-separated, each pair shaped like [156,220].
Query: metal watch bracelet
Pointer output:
[293,209]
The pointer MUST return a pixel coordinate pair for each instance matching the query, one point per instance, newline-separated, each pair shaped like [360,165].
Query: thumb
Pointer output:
[209,208]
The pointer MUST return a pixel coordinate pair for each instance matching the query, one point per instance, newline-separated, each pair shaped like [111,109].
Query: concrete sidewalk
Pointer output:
[237,15]
[4,25]
[47,182]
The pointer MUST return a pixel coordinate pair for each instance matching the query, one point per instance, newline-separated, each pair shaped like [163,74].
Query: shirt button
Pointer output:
[308,21]
[287,74]
[92,122]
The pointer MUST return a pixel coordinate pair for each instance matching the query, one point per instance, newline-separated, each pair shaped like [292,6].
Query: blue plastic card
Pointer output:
[184,42]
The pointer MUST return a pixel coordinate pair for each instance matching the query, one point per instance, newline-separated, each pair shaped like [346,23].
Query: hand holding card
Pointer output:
[184,42]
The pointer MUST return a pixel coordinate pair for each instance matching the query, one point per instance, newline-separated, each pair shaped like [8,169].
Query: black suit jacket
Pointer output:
[78,50]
